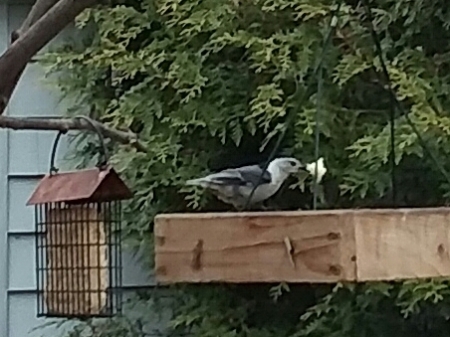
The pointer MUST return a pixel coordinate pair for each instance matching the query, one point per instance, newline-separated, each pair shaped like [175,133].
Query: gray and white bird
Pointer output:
[233,186]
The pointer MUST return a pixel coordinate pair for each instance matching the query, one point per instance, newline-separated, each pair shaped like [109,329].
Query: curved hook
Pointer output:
[102,164]
[53,169]
[100,137]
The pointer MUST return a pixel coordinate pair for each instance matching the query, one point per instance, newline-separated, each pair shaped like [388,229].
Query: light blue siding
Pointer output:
[21,263]
[20,217]
[24,158]
[31,151]
[22,317]
[3,197]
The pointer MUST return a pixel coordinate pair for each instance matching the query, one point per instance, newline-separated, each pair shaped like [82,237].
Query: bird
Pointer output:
[234,185]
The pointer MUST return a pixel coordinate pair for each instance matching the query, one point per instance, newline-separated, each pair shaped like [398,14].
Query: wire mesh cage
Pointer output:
[78,242]
[78,258]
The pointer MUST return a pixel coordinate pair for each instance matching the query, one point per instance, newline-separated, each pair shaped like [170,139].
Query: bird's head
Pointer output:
[287,165]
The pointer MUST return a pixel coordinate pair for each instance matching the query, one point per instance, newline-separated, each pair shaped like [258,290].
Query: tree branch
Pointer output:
[39,8]
[16,57]
[67,124]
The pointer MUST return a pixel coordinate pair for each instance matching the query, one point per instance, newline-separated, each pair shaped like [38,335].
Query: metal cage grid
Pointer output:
[78,259]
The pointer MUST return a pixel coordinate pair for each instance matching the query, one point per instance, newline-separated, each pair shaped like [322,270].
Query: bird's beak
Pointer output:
[301,166]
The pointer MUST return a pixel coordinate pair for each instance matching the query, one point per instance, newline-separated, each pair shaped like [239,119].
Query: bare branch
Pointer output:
[16,57]
[39,8]
[67,124]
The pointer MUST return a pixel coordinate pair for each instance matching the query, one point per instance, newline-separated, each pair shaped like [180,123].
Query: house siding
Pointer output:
[24,159]
[3,197]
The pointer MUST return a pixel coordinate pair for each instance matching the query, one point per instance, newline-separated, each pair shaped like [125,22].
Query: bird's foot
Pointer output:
[237,208]
[264,207]
[252,207]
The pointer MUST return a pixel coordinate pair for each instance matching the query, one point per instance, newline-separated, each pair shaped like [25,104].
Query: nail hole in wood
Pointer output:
[334,236]
[335,270]
[161,270]
[196,263]
[160,240]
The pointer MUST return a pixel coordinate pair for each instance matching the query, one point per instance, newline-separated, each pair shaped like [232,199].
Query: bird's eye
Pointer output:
[293,163]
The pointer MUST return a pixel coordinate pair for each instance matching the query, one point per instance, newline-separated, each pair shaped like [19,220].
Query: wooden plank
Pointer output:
[403,244]
[327,246]
[240,247]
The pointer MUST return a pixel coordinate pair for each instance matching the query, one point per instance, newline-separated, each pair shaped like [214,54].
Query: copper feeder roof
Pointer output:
[90,185]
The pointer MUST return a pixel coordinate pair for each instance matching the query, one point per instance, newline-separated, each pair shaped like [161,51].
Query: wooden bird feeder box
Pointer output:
[78,248]
[303,246]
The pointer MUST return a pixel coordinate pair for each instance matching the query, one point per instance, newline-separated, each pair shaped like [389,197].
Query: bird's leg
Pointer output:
[268,206]
[260,206]
[238,208]
[264,207]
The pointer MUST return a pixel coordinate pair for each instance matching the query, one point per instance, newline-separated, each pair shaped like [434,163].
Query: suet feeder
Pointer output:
[78,242]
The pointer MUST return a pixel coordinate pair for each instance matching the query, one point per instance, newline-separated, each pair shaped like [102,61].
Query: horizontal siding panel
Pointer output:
[21,216]
[22,318]
[3,196]
[21,262]
[34,96]
[17,12]
[29,152]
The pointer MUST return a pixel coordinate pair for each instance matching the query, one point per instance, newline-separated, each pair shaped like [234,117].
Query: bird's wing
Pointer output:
[225,177]
[251,174]
[242,176]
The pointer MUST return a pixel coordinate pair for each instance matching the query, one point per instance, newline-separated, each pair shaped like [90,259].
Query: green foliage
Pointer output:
[208,84]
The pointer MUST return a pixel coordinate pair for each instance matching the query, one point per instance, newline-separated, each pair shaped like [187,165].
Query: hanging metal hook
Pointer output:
[101,165]
[53,169]
[100,138]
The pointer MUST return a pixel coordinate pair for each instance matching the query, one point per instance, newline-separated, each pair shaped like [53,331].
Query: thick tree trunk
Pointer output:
[39,8]
[33,39]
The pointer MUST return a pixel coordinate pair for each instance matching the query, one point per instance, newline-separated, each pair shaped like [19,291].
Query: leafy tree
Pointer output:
[208,84]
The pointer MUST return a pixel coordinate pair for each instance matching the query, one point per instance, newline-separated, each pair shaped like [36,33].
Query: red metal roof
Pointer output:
[94,185]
